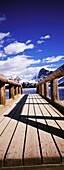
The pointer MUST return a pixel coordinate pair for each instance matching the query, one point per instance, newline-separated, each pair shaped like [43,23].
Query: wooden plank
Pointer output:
[58,137]
[49,155]
[36,167]
[6,137]
[15,152]
[4,124]
[50,110]
[55,123]
[41,99]
[5,140]
[32,152]
[57,111]
[10,107]
[61,123]
[60,143]
[6,120]
[57,133]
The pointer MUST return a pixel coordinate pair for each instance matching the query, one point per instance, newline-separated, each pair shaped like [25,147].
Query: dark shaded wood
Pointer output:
[26,139]
[11,91]
[45,90]
[2,93]
[54,90]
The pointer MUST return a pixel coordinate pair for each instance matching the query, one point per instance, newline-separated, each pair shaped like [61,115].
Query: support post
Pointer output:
[40,89]
[16,90]
[11,91]
[19,89]
[54,90]
[2,93]
[45,90]
[37,91]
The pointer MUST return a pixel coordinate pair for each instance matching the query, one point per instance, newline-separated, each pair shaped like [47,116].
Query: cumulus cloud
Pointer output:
[28,41]
[45,37]
[52,59]
[2,17]
[3,35]
[1,43]
[39,50]
[18,66]
[42,38]
[2,54]
[17,47]
[40,41]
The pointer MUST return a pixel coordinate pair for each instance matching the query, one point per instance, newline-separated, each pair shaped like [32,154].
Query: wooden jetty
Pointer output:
[32,128]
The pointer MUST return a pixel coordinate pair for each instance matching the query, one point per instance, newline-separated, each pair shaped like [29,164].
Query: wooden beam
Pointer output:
[56,74]
[54,90]
[45,90]
[2,93]
[38,167]
[11,91]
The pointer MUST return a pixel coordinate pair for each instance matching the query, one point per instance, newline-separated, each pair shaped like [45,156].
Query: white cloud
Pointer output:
[18,66]
[52,59]
[39,50]
[3,35]
[17,47]
[45,37]
[2,18]
[28,41]
[22,66]
[2,54]
[1,43]
[40,41]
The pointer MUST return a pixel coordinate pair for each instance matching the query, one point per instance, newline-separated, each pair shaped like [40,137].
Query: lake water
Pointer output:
[33,91]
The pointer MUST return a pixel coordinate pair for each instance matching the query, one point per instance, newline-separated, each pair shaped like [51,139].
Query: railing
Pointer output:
[52,81]
[14,89]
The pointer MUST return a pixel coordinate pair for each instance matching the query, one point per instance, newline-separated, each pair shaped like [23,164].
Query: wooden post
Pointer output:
[40,88]
[16,90]
[54,90]
[2,93]
[37,91]
[45,89]
[11,91]
[19,89]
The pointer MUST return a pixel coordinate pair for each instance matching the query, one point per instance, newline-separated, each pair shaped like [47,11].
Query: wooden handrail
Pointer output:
[14,89]
[6,81]
[56,74]
[42,87]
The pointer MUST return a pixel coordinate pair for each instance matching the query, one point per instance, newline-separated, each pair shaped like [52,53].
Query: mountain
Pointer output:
[42,73]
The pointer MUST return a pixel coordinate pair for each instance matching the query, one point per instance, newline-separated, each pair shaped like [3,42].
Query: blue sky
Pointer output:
[31,36]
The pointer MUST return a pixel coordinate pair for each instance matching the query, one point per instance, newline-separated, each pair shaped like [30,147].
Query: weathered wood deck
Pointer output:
[32,134]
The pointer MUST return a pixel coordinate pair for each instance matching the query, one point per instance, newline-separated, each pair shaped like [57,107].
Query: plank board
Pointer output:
[60,144]
[32,151]
[30,133]
[14,154]
[5,140]
[5,118]
[49,155]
